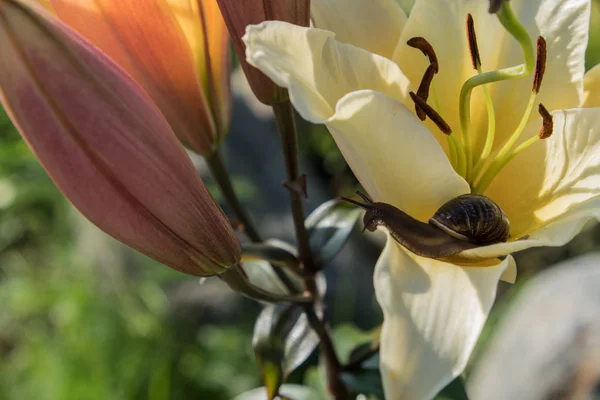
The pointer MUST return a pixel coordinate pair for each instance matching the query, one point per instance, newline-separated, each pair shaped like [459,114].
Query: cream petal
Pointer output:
[543,181]
[442,23]
[564,25]
[318,70]
[393,155]
[433,314]
[591,85]
[371,25]
[555,233]
[550,190]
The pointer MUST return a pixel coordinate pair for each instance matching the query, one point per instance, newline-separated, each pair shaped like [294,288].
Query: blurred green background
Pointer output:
[83,317]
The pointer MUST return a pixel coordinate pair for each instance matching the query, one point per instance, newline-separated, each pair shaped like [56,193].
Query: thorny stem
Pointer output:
[284,117]
[221,177]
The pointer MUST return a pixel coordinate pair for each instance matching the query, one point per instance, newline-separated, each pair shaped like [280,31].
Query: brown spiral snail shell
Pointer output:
[462,223]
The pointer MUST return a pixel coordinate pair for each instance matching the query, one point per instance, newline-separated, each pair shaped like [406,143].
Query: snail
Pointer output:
[462,223]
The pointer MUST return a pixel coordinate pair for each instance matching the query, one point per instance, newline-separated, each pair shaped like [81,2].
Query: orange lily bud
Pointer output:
[239,14]
[177,50]
[106,145]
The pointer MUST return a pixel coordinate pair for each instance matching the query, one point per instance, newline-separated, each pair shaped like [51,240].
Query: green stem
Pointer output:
[219,173]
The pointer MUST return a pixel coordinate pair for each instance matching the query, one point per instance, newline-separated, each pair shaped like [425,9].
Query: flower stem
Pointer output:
[284,117]
[221,177]
[332,363]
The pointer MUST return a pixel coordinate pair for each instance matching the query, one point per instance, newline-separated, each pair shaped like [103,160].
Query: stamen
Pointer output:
[473,47]
[547,123]
[432,114]
[426,48]
[516,29]
[423,90]
[540,64]
[491,131]
[501,161]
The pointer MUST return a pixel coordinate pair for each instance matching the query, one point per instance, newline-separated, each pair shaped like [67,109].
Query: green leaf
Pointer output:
[329,227]
[283,339]
[455,390]
[274,251]
[364,381]
[291,392]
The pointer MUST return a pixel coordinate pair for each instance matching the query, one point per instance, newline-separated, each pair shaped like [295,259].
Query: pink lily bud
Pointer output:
[106,145]
[177,50]
[239,14]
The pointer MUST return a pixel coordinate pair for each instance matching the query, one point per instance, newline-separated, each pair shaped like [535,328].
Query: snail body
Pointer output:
[462,223]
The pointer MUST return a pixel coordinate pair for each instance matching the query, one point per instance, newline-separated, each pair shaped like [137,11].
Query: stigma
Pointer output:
[480,165]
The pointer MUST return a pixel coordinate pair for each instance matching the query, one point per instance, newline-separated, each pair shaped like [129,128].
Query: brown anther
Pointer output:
[472,37]
[423,90]
[495,6]
[426,48]
[547,123]
[431,113]
[540,64]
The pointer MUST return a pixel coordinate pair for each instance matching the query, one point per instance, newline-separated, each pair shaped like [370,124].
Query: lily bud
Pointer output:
[239,14]
[177,50]
[106,145]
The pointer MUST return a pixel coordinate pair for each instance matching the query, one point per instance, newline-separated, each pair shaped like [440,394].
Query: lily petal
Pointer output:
[371,25]
[550,189]
[106,146]
[549,177]
[318,70]
[206,33]
[393,155]
[564,25]
[433,314]
[239,14]
[555,233]
[591,85]
[127,33]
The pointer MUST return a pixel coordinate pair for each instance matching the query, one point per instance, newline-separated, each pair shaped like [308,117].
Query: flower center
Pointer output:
[480,167]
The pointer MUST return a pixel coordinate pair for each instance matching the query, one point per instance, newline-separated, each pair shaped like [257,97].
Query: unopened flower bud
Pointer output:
[177,50]
[106,145]
[239,14]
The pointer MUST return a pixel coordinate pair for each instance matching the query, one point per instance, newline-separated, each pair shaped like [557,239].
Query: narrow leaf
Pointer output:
[329,227]
[283,339]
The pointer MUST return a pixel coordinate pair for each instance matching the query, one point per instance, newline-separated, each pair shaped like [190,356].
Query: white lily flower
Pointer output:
[354,75]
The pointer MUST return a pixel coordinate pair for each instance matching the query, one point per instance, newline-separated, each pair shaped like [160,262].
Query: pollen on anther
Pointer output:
[426,48]
[547,123]
[473,47]
[431,113]
[540,64]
